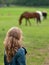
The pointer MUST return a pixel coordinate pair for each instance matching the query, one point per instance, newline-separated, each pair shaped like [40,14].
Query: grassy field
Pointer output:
[36,36]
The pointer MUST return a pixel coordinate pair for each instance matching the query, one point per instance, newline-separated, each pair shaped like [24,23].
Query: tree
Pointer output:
[8,2]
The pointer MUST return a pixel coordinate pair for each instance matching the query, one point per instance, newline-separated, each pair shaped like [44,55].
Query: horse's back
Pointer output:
[30,15]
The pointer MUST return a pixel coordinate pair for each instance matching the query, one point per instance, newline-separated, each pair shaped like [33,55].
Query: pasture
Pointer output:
[36,36]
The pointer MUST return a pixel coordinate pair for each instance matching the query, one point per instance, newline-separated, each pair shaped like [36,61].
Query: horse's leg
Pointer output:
[26,22]
[29,22]
[38,20]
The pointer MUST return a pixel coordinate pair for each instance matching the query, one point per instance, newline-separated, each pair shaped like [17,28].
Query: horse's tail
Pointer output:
[20,19]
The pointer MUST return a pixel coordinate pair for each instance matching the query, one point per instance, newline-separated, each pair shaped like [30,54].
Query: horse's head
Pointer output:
[44,14]
[19,22]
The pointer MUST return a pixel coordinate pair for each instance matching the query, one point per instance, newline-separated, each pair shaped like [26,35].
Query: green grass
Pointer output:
[36,37]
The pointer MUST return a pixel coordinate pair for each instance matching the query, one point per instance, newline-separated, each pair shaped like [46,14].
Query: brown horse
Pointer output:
[29,15]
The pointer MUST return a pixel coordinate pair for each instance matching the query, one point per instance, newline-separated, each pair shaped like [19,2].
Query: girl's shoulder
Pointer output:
[25,50]
[21,51]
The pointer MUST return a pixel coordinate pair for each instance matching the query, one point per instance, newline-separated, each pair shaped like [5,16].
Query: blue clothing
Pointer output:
[18,59]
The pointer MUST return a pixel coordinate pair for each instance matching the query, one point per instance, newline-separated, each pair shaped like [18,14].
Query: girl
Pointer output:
[14,52]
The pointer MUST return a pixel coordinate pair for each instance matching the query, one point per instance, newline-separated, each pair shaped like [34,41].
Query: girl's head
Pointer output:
[12,42]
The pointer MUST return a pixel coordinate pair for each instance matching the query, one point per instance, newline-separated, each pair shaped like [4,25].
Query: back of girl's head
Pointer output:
[15,32]
[12,42]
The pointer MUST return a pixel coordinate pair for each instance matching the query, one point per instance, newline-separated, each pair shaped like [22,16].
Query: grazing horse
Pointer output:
[44,14]
[29,15]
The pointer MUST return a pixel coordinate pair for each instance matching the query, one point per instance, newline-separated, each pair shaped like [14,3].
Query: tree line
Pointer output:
[25,2]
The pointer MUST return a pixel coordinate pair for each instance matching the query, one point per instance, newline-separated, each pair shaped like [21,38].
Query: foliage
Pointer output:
[26,2]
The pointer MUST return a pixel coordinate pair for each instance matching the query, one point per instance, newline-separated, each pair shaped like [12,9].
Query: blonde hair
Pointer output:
[12,42]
